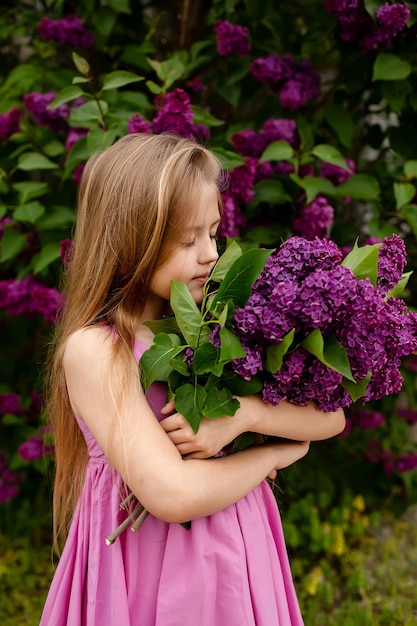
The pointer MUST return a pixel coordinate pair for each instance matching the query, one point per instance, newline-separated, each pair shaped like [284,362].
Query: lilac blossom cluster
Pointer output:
[54,119]
[391,462]
[355,23]
[315,219]
[9,123]
[28,297]
[304,287]
[69,31]
[232,38]
[239,191]
[295,82]
[174,115]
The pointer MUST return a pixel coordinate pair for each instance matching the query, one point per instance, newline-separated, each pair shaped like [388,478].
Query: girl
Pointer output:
[149,209]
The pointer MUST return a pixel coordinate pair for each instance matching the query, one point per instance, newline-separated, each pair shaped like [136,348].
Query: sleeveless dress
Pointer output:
[230,569]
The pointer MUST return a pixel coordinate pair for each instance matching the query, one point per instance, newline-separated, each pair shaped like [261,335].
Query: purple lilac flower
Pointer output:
[65,251]
[405,462]
[392,259]
[315,219]
[338,175]
[249,142]
[138,124]
[355,23]
[304,287]
[31,449]
[54,119]
[27,297]
[409,415]
[9,123]
[294,82]
[9,480]
[231,218]
[69,31]
[74,135]
[10,403]
[232,38]
[175,115]
[366,419]
[196,84]
[78,173]
[239,192]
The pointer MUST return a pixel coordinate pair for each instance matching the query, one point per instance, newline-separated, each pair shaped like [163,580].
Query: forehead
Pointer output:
[204,208]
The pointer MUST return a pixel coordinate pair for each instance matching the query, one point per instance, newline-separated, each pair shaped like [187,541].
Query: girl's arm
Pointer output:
[286,420]
[171,488]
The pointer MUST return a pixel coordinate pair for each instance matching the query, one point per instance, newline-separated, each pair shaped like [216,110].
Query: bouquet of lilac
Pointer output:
[301,323]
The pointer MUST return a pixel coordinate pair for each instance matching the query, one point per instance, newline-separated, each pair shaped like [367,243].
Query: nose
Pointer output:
[208,252]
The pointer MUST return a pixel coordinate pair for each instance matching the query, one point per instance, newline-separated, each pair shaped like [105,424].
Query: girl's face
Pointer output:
[193,257]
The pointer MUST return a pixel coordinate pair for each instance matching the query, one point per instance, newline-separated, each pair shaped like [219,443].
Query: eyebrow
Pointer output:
[199,228]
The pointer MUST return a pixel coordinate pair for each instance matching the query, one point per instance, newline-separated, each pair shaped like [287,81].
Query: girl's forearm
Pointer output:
[300,423]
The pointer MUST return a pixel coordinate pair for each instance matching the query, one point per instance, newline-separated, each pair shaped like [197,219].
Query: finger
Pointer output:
[173,422]
[272,475]
[181,436]
[169,407]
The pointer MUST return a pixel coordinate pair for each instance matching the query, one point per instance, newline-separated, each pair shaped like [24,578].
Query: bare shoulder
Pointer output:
[86,347]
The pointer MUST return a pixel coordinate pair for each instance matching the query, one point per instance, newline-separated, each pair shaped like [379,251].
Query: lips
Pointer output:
[201,279]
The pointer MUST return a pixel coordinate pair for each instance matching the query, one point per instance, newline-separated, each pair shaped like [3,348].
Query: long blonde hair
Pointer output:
[134,198]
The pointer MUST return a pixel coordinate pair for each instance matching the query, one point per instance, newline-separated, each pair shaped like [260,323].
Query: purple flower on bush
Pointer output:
[315,219]
[69,31]
[355,23]
[27,297]
[232,38]
[10,403]
[409,415]
[294,82]
[31,449]
[9,123]
[54,119]
[338,175]
[74,135]
[366,419]
[392,259]
[175,115]
[303,287]
[9,480]
[405,462]
[138,124]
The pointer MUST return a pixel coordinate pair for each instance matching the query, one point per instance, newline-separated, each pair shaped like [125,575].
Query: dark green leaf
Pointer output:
[228,159]
[396,291]
[29,212]
[341,121]
[409,213]
[363,261]
[238,386]
[330,154]
[314,186]
[205,359]
[276,352]
[271,191]
[390,67]
[186,312]
[66,95]
[328,351]
[49,253]
[189,401]
[155,363]
[360,186]
[277,151]
[229,256]
[237,284]
[12,243]
[119,78]
[165,325]
[231,348]
[356,390]
[35,161]
[201,116]
[219,402]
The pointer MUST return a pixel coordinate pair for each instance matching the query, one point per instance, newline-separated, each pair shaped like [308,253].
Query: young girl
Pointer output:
[149,209]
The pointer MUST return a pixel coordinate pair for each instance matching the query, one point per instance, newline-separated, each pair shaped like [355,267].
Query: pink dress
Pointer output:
[229,569]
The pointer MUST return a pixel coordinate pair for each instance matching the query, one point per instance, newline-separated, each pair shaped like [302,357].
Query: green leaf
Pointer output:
[155,362]
[80,80]
[29,212]
[66,95]
[12,243]
[35,161]
[237,283]
[390,67]
[356,390]
[30,189]
[201,116]
[363,261]
[341,122]
[153,87]
[396,291]
[271,191]
[231,348]
[229,256]
[89,112]
[178,364]
[361,187]
[403,193]
[277,151]
[119,78]
[330,154]
[188,316]
[328,351]
[81,64]
[410,169]
[49,253]
[228,158]
[206,360]
[238,386]
[409,213]
[276,352]
[165,325]
[57,217]
[189,401]
[314,185]
[219,402]
[98,139]
[121,6]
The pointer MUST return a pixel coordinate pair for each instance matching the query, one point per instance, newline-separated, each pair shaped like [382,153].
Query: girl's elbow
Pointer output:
[339,422]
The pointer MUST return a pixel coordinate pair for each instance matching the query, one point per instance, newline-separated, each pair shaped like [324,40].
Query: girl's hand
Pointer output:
[211,437]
